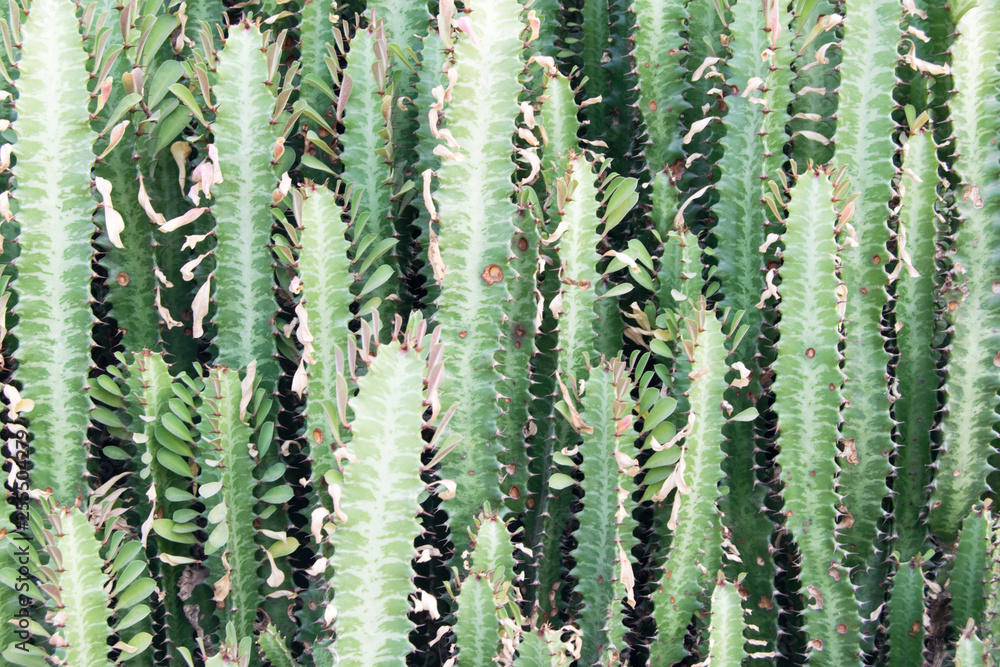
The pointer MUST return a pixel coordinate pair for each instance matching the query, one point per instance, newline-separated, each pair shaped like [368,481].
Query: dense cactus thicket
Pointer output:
[532,333]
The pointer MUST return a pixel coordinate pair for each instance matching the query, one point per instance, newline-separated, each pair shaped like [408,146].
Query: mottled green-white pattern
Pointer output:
[373,546]
[967,574]
[324,269]
[483,594]
[476,630]
[753,148]
[234,441]
[725,632]
[476,213]
[578,259]
[316,33]
[81,596]
[275,648]
[973,305]
[807,401]
[606,523]
[54,158]
[906,614]
[243,277]
[558,115]
[695,552]
[864,146]
[970,651]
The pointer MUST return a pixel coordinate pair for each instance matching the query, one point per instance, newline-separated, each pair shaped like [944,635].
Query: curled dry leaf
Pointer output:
[221,587]
[147,205]
[181,220]
[574,415]
[434,255]
[627,576]
[199,307]
[316,520]
[161,309]
[180,150]
[277,577]
[187,271]
[300,381]
[246,388]
[770,290]
[705,64]
[697,127]
[450,488]
[679,216]
[744,378]
[428,199]
[113,221]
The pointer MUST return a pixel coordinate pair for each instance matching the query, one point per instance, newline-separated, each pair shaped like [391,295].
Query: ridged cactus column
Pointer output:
[54,157]
[807,400]
[242,211]
[864,146]
[476,217]
[973,307]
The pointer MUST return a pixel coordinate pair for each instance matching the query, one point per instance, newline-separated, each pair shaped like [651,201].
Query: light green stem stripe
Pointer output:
[807,402]
[54,158]
[243,275]
[968,426]
[476,228]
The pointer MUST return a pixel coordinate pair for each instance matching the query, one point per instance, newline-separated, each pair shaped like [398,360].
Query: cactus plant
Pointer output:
[548,333]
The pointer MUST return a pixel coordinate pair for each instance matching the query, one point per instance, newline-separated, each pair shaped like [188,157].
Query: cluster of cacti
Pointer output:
[534,333]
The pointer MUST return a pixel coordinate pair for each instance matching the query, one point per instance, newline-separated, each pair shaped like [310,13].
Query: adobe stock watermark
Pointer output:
[19,481]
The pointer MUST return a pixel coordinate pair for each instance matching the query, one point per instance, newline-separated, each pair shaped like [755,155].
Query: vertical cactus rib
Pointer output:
[695,551]
[482,637]
[604,539]
[968,572]
[367,157]
[807,402]
[318,23]
[598,31]
[155,400]
[970,651]
[725,631]
[906,614]
[753,148]
[991,621]
[244,316]
[520,328]
[128,258]
[54,158]
[864,146]
[916,407]
[576,212]
[815,104]
[92,584]
[476,218]
[235,439]
[324,269]
[658,52]
[968,427]
[376,501]
[81,592]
